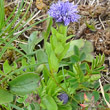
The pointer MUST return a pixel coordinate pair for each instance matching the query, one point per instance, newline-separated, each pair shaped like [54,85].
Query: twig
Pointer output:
[32,18]
[81,29]
[20,42]
[92,2]
[101,23]
[102,91]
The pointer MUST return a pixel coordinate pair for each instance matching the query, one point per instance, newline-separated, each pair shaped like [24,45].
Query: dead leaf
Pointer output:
[39,4]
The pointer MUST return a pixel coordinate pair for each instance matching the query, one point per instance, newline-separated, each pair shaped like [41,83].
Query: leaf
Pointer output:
[94,77]
[106,87]
[96,96]
[46,34]
[45,74]
[53,62]
[91,27]
[63,30]
[2,14]
[24,84]
[24,47]
[32,41]
[48,49]
[82,56]
[64,52]
[59,49]
[6,67]
[74,59]
[87,49]
[40,5]
[79,43]
[5,96]
[41,56]
[36,106]
[49,102]
[76,51]
[65,107]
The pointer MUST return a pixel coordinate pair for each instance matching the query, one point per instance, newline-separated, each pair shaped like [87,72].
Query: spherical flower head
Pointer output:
[63,97]
[64,12]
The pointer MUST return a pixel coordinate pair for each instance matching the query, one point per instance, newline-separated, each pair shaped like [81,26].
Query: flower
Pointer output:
[64,12]
[63,97]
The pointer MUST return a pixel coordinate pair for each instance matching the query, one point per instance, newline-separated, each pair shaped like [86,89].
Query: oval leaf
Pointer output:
[49,102]
[24,84]
[5,96]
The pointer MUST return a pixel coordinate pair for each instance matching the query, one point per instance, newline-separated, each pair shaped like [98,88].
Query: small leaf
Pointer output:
[88,49]
[82,56]
[49,102]
[79,43]
[5,96]
[74,59]
[46,34]
[24,84]
[83,105]
[91,27]
[53,62]
[65,107]
[41,56]
[32,41]
[6,67]
[96,96]
[86,98]
[76,51]
[106,87]
[24,48]
[62,29]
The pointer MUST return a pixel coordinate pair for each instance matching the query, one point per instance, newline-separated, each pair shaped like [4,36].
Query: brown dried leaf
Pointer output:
[39,4]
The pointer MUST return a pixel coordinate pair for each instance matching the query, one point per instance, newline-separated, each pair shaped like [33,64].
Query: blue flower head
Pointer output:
[64,12]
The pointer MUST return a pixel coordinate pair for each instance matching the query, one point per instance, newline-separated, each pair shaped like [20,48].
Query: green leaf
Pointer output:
[41,56]
[64,51]
[60,37]
[106,87]
[53,62]
[32,41]
[74,59]
[82,56]
[59,49]
[16,107]
[76,51]
[24,84]
[96,96]
[2,14]
[49,102]
[6,67]
[45,74]
[63,30]
[36,106]
[46,34]
[24,48]
[91,27]
[5,96]
[65,107]
[88,49]
[94,77]
[78,73]
[48,49]
[79,43]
